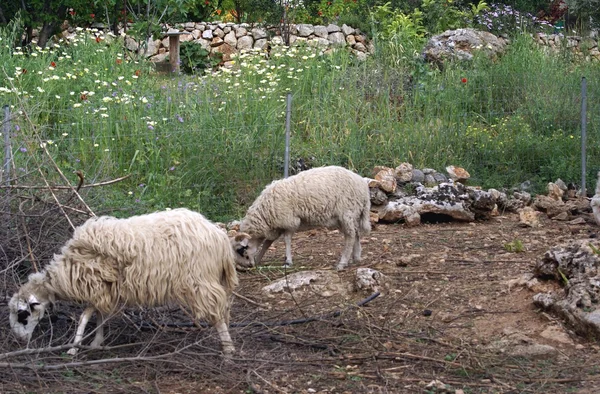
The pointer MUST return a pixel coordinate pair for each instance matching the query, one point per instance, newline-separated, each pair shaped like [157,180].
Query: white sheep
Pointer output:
[174,256]
[331,197]
[595,202]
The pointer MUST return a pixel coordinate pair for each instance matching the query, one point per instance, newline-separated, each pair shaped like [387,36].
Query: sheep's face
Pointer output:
[245,248]
[26,310]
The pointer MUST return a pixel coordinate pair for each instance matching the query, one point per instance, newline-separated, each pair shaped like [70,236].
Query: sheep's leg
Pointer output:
[83,321]
[347,252]
[288,248]
[226,342]
[266,244]
[99,338]
[356,250]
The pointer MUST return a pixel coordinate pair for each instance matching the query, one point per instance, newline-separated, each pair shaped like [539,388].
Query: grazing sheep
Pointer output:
[174,256]
[595,202]
[332,197]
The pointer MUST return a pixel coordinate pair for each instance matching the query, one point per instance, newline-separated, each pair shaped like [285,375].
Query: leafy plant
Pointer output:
[195,59]
[515,246]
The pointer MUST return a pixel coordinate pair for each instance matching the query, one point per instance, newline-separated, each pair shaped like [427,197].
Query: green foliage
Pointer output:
[515,246]
[392,23]
[441,15]
[195,59]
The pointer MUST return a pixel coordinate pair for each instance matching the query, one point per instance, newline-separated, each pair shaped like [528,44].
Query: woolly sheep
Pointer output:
[332,197]
[595,202]
[148,260]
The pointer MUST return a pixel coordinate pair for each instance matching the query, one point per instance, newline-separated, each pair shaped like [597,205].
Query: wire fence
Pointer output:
[500,143]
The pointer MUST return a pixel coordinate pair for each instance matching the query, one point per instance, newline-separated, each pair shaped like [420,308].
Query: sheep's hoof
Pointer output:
[341,266]
[228,352]
[72,351]
[287,264]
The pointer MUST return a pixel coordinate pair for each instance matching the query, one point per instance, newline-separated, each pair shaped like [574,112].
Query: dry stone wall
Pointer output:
[586,47]
[231,38]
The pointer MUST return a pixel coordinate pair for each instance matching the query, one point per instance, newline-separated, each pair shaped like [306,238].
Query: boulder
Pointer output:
[460,44]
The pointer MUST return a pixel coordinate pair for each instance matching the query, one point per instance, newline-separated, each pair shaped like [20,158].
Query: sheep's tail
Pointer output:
[598,184]
[365,220]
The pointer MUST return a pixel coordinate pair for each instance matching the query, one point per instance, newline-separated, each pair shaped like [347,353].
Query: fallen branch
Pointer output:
[273,324]
[105,183]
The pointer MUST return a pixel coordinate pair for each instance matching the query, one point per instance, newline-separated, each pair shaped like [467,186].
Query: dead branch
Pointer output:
[105,183]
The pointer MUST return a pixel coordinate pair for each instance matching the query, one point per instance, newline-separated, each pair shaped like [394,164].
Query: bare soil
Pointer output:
[446,305]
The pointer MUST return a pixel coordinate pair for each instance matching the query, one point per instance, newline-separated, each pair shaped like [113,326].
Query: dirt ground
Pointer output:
[441,317]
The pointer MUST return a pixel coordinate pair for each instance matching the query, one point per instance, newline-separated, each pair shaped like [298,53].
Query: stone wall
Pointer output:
[231,38]
[586,47]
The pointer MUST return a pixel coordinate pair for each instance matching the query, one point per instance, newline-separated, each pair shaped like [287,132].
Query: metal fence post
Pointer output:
[583,134]
[286,157]
[7,151]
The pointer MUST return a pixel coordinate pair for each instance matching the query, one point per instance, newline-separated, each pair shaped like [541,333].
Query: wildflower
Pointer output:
[65,134]
[119,61]
[130,193]
[17,127]
[23,149]
[106,150]
[76,105]
[24,71]
[92,16]
[98,39]
[83,97]
[180,119]
[52,64]
[96,145]
[137,73]
[172,168]
[464,80]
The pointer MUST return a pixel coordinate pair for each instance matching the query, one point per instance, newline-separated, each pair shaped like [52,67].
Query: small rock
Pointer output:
[404,172]
[387,179]
[555,192]
[458,174]
[534,351]
[529,217]
[370,279]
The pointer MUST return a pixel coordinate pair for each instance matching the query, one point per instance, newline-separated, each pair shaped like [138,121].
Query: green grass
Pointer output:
[212,142]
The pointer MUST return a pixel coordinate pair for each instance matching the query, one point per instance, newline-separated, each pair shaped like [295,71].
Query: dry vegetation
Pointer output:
[446,303]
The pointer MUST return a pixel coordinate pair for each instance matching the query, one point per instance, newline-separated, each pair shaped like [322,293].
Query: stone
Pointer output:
[350,40]
[230,39]
[226,50]
[403,172]
[370,279]
[460,44]
[305,30]
[337,39]
[324,283]
[549,205]
[417,176]
[219,32]
[261,43]
[259,33]
[131,44]
[216,41]
[331,28]
[378,197]
[458,174]
[387,180]
[245,43]
[555,191]
[529,217]
[321,31]
[240,31]
[347,30]
[534,351]
[207,34]
[186,37]
[439,177]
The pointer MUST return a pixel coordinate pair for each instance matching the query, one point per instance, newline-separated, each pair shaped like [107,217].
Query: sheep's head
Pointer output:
[245,248]
[28,305]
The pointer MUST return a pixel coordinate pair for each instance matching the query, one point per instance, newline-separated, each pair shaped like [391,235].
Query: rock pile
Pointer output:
[406,194]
